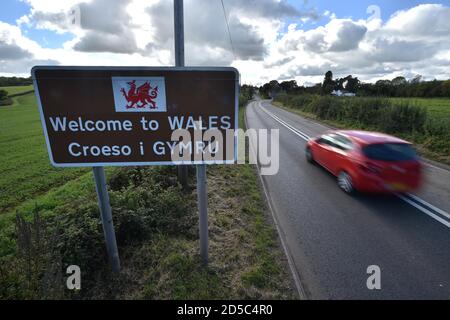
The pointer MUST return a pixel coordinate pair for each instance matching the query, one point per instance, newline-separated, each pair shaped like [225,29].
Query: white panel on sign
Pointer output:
[139,94]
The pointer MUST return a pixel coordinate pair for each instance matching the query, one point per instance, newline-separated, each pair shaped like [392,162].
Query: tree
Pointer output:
[328,83]
[288,86]
[348,83]
[398,81]
[445,88]
[269,90]
[14,81]
[383,88]
[247,92]
[328,76]
[274,88]
[416,79]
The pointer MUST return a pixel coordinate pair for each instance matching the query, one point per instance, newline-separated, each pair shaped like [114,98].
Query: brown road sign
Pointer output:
[100,116]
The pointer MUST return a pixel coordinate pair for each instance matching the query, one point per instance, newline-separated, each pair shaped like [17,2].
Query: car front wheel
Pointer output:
[309,155]
[345,182]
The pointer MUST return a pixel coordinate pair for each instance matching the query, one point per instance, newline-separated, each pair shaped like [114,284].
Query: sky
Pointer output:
[269,39]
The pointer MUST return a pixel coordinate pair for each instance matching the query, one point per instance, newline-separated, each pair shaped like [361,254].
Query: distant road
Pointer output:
[333,237]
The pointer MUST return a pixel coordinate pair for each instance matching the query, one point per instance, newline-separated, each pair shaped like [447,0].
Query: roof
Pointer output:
[369,137]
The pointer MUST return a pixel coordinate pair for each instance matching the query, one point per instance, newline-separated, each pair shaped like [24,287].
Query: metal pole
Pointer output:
[107,222]
[179,32]
[201,169]
[179,62]
[203,211]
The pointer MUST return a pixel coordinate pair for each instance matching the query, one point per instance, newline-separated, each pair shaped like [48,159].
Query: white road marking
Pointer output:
[429,205]
[288,126]
[437,168]
[424,210]
[298,284]
[420,204]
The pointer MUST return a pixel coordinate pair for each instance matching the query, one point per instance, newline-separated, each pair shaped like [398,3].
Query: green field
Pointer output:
[17,89]
[24,164]
[437,107]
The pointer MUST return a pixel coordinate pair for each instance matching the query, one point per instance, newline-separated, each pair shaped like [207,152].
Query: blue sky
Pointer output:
[11,10]
[357,9]
[353,9]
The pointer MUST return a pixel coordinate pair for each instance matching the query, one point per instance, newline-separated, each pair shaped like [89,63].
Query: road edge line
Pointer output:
[295,275]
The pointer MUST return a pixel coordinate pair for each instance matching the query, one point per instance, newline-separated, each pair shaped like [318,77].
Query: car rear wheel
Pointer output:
[309,155]
[345,182]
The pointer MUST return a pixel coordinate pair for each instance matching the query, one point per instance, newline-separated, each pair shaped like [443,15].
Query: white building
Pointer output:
[339,93]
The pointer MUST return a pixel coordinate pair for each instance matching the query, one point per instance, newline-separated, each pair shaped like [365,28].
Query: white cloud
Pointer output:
[424,20]
[370,49]
[140,32]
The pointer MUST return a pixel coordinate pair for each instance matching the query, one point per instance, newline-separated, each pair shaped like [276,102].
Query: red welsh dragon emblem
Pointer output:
[140,96]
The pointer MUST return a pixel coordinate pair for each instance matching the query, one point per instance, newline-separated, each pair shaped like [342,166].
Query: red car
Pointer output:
[367,161]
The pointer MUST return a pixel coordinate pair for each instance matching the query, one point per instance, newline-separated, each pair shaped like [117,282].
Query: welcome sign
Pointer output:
[100,116]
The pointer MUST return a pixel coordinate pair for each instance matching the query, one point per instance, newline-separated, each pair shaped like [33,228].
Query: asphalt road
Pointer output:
[332,237]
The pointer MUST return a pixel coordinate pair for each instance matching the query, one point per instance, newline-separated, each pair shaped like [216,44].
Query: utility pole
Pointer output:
[202,194]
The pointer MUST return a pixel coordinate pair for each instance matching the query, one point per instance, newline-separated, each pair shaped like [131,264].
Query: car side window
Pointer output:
[332,141]
[320,140]
[343,143]
[324,140]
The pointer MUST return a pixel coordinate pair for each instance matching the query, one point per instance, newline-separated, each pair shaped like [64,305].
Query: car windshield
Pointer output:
[390,152]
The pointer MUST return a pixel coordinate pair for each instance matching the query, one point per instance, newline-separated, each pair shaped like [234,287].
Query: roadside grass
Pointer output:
[156,225]
[24,164]
[246,261]
[17,89]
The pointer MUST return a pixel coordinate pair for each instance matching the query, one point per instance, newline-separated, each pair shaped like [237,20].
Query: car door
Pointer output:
[338,155]
[324,150]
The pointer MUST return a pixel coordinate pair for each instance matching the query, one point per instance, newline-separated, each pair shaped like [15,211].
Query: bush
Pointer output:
[403,118]
[145,203]
[374,113]
[437,127]
[3,94]
[294,101]
[4,99]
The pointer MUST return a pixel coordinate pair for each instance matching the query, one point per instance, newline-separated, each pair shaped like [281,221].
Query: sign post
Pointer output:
[139,116]
[107,222]
[202,193]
